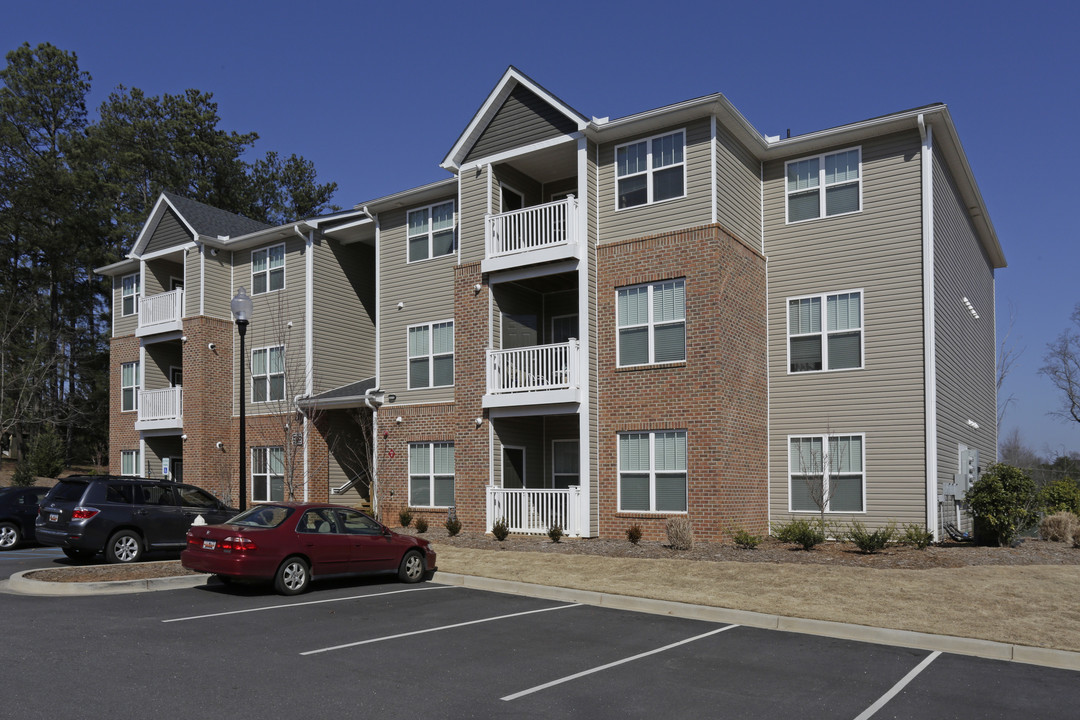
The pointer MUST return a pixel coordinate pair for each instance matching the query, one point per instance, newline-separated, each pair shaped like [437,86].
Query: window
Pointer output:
[650,170]
[431,474]
[129,462]
[431,231]
[267,474]
[838,174]
[565,463]
[652,323]
[652,471]
[431,355]
[835,344]
[826,473]
[268,269]
[129,293]
[268,374]
[129,387]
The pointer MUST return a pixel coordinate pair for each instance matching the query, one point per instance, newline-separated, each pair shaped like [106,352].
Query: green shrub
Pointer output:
[47,453]
[1004,503]
[745,540]
[500,529]
[807,533]
[23,477]
[868,541]
[555,532]
[633,534]
[917,535]
[421,525]
[405,517]
[453,525]
[1061,496]
[680,533]
[1058,527]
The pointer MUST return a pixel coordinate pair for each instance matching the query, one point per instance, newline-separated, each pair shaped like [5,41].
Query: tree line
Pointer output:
[74,192]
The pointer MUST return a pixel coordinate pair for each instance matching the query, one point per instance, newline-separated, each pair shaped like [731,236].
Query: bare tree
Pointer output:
[27,362]
[812,465]
[1008,354]
[1062,367]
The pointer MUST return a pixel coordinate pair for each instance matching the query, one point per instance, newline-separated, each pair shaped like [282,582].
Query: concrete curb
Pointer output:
[1063,659]
[19,583]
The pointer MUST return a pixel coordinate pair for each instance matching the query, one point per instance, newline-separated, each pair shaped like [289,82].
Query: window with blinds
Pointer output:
[824,186]
[431,474]
[651,322]
[832,340]
[650,170]
[826,473]
[431,355]
[431,231]
[652,471]
[268,269]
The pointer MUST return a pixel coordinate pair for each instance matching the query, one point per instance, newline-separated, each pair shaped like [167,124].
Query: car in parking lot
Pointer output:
[18,509]
[123,517]
[293,543]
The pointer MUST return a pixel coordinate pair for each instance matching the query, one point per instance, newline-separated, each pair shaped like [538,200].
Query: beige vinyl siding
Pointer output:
[218,278]
[193,281]
[159,275]
[557,427]
[123,324]
[525,433]
[523,119]
[738,188]
[427,290]
[558,187]
[270,317]
[964,345]
[344,314]
[689,211]
[878,251]
[532,191]
[470,216]
[160,357]
[169,231]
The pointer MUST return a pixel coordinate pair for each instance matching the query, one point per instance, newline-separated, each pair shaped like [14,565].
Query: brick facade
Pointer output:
[122,432]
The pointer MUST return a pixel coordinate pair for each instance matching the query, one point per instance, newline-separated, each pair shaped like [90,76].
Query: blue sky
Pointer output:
[375,94]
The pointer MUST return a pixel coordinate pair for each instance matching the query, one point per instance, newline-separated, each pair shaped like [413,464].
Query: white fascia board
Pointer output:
[152,222]
[126,266]
[413,196]
[523,150]
[168,251]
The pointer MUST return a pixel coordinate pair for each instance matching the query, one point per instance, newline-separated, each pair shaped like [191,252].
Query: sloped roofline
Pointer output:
[163,203]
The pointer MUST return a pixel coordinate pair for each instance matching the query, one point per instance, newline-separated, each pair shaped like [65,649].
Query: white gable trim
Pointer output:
[152,222]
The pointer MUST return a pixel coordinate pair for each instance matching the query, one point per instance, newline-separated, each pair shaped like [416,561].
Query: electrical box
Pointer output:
[969,468]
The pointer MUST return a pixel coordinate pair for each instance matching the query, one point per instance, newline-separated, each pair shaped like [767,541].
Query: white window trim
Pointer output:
[650,170]
[821,186]
[503,189]
[265,477]
[137,387]
[284,263]
[824,333]
[825,471]
[558,474]
[430,234]
[650,324]
[652,473]
[266,378]
[431,354]
[137,294]
[134,454]
[524,465]
[429,447]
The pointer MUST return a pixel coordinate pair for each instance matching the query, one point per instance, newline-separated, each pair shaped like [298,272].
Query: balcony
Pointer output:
[161,409]
[533,511]
[538,234]
[541,374]
[161,313]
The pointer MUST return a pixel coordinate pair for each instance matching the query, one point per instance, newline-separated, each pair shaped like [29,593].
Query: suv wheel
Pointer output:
[124,547]
[9,535]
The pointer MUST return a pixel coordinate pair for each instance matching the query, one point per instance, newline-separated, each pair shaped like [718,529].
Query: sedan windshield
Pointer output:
[264,516]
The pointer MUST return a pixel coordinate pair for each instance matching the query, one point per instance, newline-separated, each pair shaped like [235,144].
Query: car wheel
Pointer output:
[75,554]
[292,577]
[124,547]
[9,535]
[412,568]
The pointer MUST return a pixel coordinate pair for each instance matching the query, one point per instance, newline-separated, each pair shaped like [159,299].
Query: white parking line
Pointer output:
[309,602]
[898,686]
[583,673]
[437,629]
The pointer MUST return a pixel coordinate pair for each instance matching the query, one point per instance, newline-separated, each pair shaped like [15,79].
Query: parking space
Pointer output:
[403,651]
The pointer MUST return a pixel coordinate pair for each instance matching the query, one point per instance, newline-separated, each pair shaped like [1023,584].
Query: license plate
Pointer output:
[209,544]
[54,517]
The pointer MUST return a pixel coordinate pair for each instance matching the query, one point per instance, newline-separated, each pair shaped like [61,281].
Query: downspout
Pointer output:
[309,355]
[926,132]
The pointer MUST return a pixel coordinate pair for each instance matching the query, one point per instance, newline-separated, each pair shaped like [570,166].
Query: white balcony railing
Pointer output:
[532,228]
[163,311]
[533,369]
[535,510]
[162,405]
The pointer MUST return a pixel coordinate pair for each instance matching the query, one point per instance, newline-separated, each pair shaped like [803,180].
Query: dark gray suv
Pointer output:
[123,516]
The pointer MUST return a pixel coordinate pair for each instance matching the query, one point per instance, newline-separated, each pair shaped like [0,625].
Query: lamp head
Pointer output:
[241,306]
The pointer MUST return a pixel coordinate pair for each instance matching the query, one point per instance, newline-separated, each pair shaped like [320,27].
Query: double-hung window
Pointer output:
[268,269]
[129,462]
[268,374]
[267,474]
[129,295]
[650,170]
[652,471]
[431,231]
[431,355]
[826,473]
[565,463]
[830,343]
[129,386]
[431,474]
[651,323]
[824,185]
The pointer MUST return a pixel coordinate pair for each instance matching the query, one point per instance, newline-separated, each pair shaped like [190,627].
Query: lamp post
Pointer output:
[241,310]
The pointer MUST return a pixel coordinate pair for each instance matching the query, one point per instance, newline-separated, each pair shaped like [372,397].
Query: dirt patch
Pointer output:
[112,573]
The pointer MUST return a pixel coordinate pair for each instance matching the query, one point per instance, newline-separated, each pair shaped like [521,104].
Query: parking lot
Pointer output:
[382,649]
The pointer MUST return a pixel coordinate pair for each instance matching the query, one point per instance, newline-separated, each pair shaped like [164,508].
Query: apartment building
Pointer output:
[591,322]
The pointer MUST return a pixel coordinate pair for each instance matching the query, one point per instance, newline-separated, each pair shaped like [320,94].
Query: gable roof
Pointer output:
[198,218]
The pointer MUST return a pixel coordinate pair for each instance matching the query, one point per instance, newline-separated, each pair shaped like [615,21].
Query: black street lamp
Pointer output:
[241,310]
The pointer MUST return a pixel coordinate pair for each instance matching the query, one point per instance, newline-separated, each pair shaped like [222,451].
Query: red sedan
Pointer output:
[292,543]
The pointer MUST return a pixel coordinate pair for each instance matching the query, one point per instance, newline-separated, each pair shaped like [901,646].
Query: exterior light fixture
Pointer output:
[241,309]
